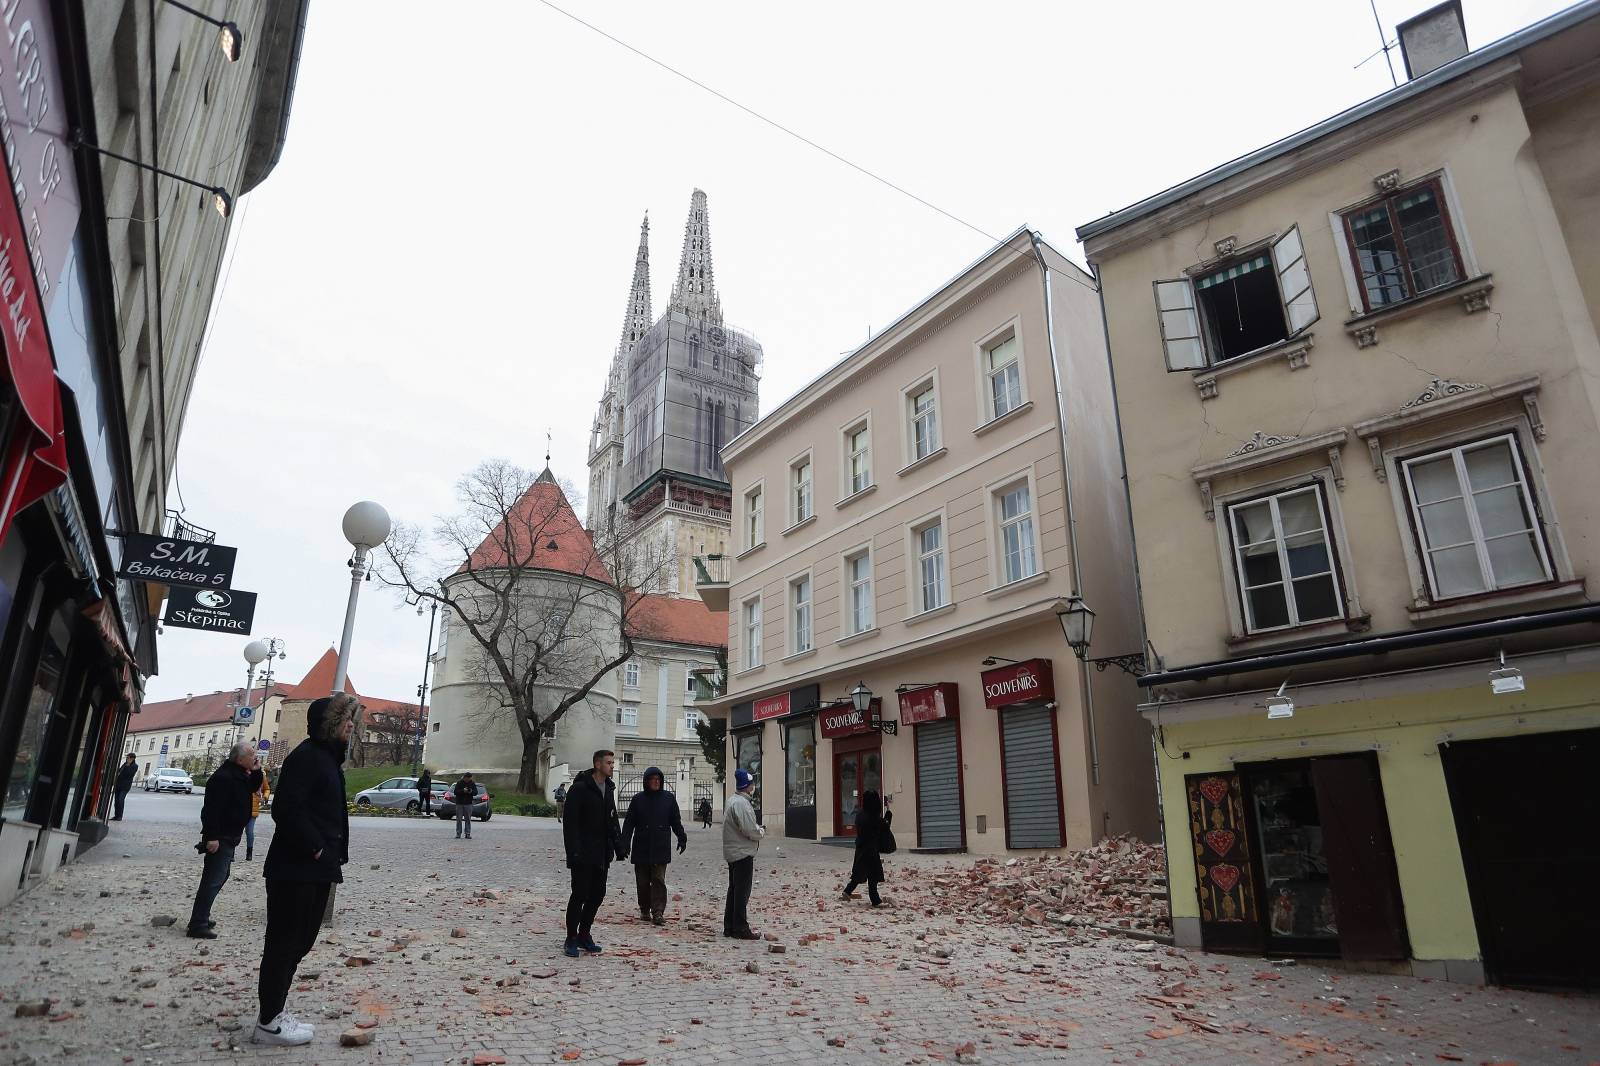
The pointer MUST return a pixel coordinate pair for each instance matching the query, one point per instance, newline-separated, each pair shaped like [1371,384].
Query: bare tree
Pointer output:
[545,604]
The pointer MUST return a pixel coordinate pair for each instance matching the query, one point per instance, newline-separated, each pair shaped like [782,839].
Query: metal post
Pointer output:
[422,689]
[266,685]
[249,684]
[358,570]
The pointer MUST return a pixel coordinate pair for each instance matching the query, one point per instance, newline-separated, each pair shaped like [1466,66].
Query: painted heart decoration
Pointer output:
[1214,789]
[1220,841]
[1225,876]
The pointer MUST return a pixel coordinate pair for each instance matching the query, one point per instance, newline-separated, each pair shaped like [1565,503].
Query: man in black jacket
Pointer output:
[222,821]
[590,831]
[125,772]
[647,835]
[310,844]
[465,794]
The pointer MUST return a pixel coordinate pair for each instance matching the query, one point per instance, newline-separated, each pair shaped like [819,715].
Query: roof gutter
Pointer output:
[1379,645]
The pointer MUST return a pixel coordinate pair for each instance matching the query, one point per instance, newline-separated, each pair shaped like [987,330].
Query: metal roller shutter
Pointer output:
[938,786]
[1033,807]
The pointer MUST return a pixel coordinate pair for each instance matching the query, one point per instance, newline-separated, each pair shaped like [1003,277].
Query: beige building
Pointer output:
[905,521]
[1359,388]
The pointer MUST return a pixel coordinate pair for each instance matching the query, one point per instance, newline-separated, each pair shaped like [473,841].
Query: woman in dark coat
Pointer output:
[647,834]
[871,821]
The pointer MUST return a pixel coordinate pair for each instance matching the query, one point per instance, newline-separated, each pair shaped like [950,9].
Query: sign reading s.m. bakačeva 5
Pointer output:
[230,611]
[177,562]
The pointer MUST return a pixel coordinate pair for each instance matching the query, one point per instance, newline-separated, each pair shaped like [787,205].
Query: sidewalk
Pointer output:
[851,985]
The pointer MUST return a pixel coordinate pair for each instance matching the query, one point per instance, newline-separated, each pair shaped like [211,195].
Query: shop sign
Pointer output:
[1027,682]
[770,707]
[177,562]
[846,721]
[934,703]
[229,611]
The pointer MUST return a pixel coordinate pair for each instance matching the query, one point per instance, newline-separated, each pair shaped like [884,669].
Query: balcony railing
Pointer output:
[711,576]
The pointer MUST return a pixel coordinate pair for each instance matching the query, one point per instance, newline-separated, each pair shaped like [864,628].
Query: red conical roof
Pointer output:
[318,681]
[540,532]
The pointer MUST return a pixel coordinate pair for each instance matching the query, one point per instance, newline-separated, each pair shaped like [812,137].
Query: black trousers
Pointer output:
[651,881]
[212,877]
[294,914]
[588,892]
[425,799]
[872,889]
[741,876]
[121,797]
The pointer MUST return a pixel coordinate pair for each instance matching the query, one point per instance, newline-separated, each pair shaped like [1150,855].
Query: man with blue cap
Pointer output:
[741,839]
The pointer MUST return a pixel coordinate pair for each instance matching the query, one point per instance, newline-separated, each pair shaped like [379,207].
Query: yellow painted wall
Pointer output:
[1407,731]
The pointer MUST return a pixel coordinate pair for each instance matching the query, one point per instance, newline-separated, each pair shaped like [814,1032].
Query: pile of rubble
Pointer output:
[1117,886]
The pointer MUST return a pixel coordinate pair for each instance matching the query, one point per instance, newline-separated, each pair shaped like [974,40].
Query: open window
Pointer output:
[1237,306]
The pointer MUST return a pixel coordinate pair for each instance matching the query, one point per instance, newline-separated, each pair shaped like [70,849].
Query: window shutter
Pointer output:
[1180,325]
[1294,281]
[1224,879]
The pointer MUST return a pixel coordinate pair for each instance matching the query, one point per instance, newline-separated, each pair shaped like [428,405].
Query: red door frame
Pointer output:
[1055,757]
[852,746]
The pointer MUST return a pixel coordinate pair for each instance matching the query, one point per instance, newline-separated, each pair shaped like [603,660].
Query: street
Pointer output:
[440,975]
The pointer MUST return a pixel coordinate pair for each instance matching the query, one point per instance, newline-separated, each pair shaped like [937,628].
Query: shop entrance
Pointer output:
[800,779]
[857,767]
[1525,810]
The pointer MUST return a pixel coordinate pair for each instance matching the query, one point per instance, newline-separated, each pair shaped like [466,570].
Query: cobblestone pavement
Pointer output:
[449,978]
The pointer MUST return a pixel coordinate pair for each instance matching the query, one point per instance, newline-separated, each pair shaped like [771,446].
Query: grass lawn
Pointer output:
[357,778]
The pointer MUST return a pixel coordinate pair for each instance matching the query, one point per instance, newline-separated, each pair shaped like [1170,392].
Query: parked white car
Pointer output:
[395,792]
[169,779]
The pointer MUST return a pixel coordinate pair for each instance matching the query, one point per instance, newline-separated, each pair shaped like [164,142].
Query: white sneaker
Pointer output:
[284,1031]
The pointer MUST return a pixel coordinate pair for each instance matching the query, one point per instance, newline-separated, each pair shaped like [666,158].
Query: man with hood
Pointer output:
[592,839]
[310,845]
[647,835]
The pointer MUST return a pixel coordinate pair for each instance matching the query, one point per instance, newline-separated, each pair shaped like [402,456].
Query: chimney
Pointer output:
[188,697]
[1430,40]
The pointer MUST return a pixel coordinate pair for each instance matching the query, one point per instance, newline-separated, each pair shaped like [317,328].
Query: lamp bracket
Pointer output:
[1133,664]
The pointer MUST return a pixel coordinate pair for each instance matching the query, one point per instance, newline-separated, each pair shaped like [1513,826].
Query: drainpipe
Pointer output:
[1085,689]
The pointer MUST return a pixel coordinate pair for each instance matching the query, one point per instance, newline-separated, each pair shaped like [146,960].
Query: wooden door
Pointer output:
[1225,879]
[846,791]
[1360,855]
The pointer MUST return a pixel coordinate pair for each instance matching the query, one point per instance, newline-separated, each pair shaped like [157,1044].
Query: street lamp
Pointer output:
[254,653]
[422,689]
[229,37]
[1077,625]
[366,525]
[861,697]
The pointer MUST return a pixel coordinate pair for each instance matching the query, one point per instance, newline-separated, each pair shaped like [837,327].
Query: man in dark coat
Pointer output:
[647,836]
[465,794]
[871,821]
[425,791]
[125,772]
[222,821]
[593,839]
[310,845]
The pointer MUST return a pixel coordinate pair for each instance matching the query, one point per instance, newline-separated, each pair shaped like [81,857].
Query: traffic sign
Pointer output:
[264,745]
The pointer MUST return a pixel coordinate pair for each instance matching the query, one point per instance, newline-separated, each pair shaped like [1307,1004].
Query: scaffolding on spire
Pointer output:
[695,293]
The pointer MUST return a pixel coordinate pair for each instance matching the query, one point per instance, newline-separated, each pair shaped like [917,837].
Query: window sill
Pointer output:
[796,656]
[1473,294]
[1491,603]
[750,551]
[1011,415]
[799,525]
[854,496]
[747,671]
[1306,634]
[923,616]
[918,463]
[1021,583]
[1296,351]
[855,637]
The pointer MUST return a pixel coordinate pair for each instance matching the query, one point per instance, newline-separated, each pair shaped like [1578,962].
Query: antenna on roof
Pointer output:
[547,447]
[1385,45]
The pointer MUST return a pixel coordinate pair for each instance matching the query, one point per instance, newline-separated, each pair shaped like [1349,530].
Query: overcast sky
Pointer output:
[436,272]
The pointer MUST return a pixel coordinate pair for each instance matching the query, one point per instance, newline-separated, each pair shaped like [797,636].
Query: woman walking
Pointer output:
[872,824]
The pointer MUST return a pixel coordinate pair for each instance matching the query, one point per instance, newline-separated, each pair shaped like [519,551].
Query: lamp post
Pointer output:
[366,525]
[273,647]
[422,689]
[1077,625]
[254,653]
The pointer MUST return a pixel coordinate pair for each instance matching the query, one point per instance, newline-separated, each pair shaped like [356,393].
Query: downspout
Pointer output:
[1085,690]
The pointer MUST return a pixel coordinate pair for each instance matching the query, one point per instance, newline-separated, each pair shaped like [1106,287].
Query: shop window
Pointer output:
[800,779]
[747,756]
[26,765]
[1403,245]
[1474,519]
[1239,306]
[1283,560]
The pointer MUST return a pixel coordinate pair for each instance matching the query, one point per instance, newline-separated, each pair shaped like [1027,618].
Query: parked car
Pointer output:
[169,779]
[445,805]
[399,792]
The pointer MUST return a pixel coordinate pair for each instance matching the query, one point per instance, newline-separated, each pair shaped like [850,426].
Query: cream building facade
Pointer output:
[1359,388]
[906,521]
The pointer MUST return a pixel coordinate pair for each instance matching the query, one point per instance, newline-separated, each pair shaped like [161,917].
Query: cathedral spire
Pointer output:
[636,321]
[695,293]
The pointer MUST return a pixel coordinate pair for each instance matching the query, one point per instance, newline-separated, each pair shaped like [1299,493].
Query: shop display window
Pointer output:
[1299,895]
[24,776]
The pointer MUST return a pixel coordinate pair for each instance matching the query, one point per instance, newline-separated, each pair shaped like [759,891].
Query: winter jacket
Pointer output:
[651,823]
[310,815]
[868,864]
[258,781]
[465,793]
[425,782]
[741,833]
[125,774]
[227,804]
[589,825]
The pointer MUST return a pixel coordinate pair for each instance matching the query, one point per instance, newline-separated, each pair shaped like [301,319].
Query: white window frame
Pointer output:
[809,628]
[754,521]
[848,489]
[630,674]
[998,524]
[691,719]
[915,558]
[792,490]
[688,678]
[1010,330]
[928,382]
[751,633]
[847,592]
[1486,568]
[628,716]
[1271,497]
